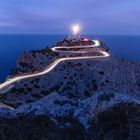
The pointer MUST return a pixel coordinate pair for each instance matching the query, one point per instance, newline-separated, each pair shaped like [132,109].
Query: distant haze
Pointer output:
[56,16]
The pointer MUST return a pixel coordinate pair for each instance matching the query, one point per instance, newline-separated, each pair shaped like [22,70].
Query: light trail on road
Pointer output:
[54,64]
[97,44]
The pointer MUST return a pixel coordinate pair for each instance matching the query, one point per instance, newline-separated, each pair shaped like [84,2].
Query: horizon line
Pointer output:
[68,34]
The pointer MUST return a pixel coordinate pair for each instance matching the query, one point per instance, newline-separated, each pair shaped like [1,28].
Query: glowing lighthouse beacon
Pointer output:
[75,29]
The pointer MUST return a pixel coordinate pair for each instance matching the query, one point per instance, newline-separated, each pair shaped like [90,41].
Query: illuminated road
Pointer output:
[56,49]
[55,63]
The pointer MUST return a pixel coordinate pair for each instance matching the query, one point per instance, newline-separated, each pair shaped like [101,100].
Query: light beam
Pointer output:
[75,29]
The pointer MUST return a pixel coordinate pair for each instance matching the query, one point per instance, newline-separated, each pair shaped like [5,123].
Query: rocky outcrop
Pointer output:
[74,42]
[74,95]
[34,61]
[57,106]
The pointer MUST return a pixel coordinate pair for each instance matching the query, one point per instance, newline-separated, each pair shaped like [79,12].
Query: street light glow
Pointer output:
[75,29]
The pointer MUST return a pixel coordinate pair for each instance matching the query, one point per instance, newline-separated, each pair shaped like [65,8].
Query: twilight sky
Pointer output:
[56,16]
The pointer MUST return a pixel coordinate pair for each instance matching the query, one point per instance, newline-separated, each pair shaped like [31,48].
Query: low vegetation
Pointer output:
[121,122]
[94,83]
[39,128]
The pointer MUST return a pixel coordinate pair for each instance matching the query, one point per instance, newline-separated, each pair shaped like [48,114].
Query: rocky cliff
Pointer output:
[91,95]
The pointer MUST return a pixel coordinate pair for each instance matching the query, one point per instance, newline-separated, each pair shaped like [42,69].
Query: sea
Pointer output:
[12,46]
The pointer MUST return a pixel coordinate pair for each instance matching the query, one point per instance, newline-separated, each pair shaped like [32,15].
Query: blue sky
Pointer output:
[56,16]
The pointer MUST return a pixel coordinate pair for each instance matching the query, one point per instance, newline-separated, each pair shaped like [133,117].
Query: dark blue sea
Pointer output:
[12,46]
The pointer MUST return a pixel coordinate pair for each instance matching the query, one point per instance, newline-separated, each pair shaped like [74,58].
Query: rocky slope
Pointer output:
[79,79]
[95,117]
[77,94]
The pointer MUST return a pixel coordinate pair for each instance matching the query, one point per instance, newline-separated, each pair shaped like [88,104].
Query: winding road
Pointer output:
[11,81]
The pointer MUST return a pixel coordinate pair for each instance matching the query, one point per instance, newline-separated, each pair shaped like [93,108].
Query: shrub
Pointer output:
[25,85]
[32,81]
[36,96]
[44,92]
[48,50]
[55,88]
[23,64]
[18,104]
[107,81]
[29,101]
[36,86]
[29,89]
[86,93]
[13,90]
[20,90]
[95,87]
[39,128]
[10,104]
[72,95]
[101,72]
[2,97]
[121,122]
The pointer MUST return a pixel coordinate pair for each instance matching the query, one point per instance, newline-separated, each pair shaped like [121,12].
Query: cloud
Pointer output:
[4,24]
[50,16]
